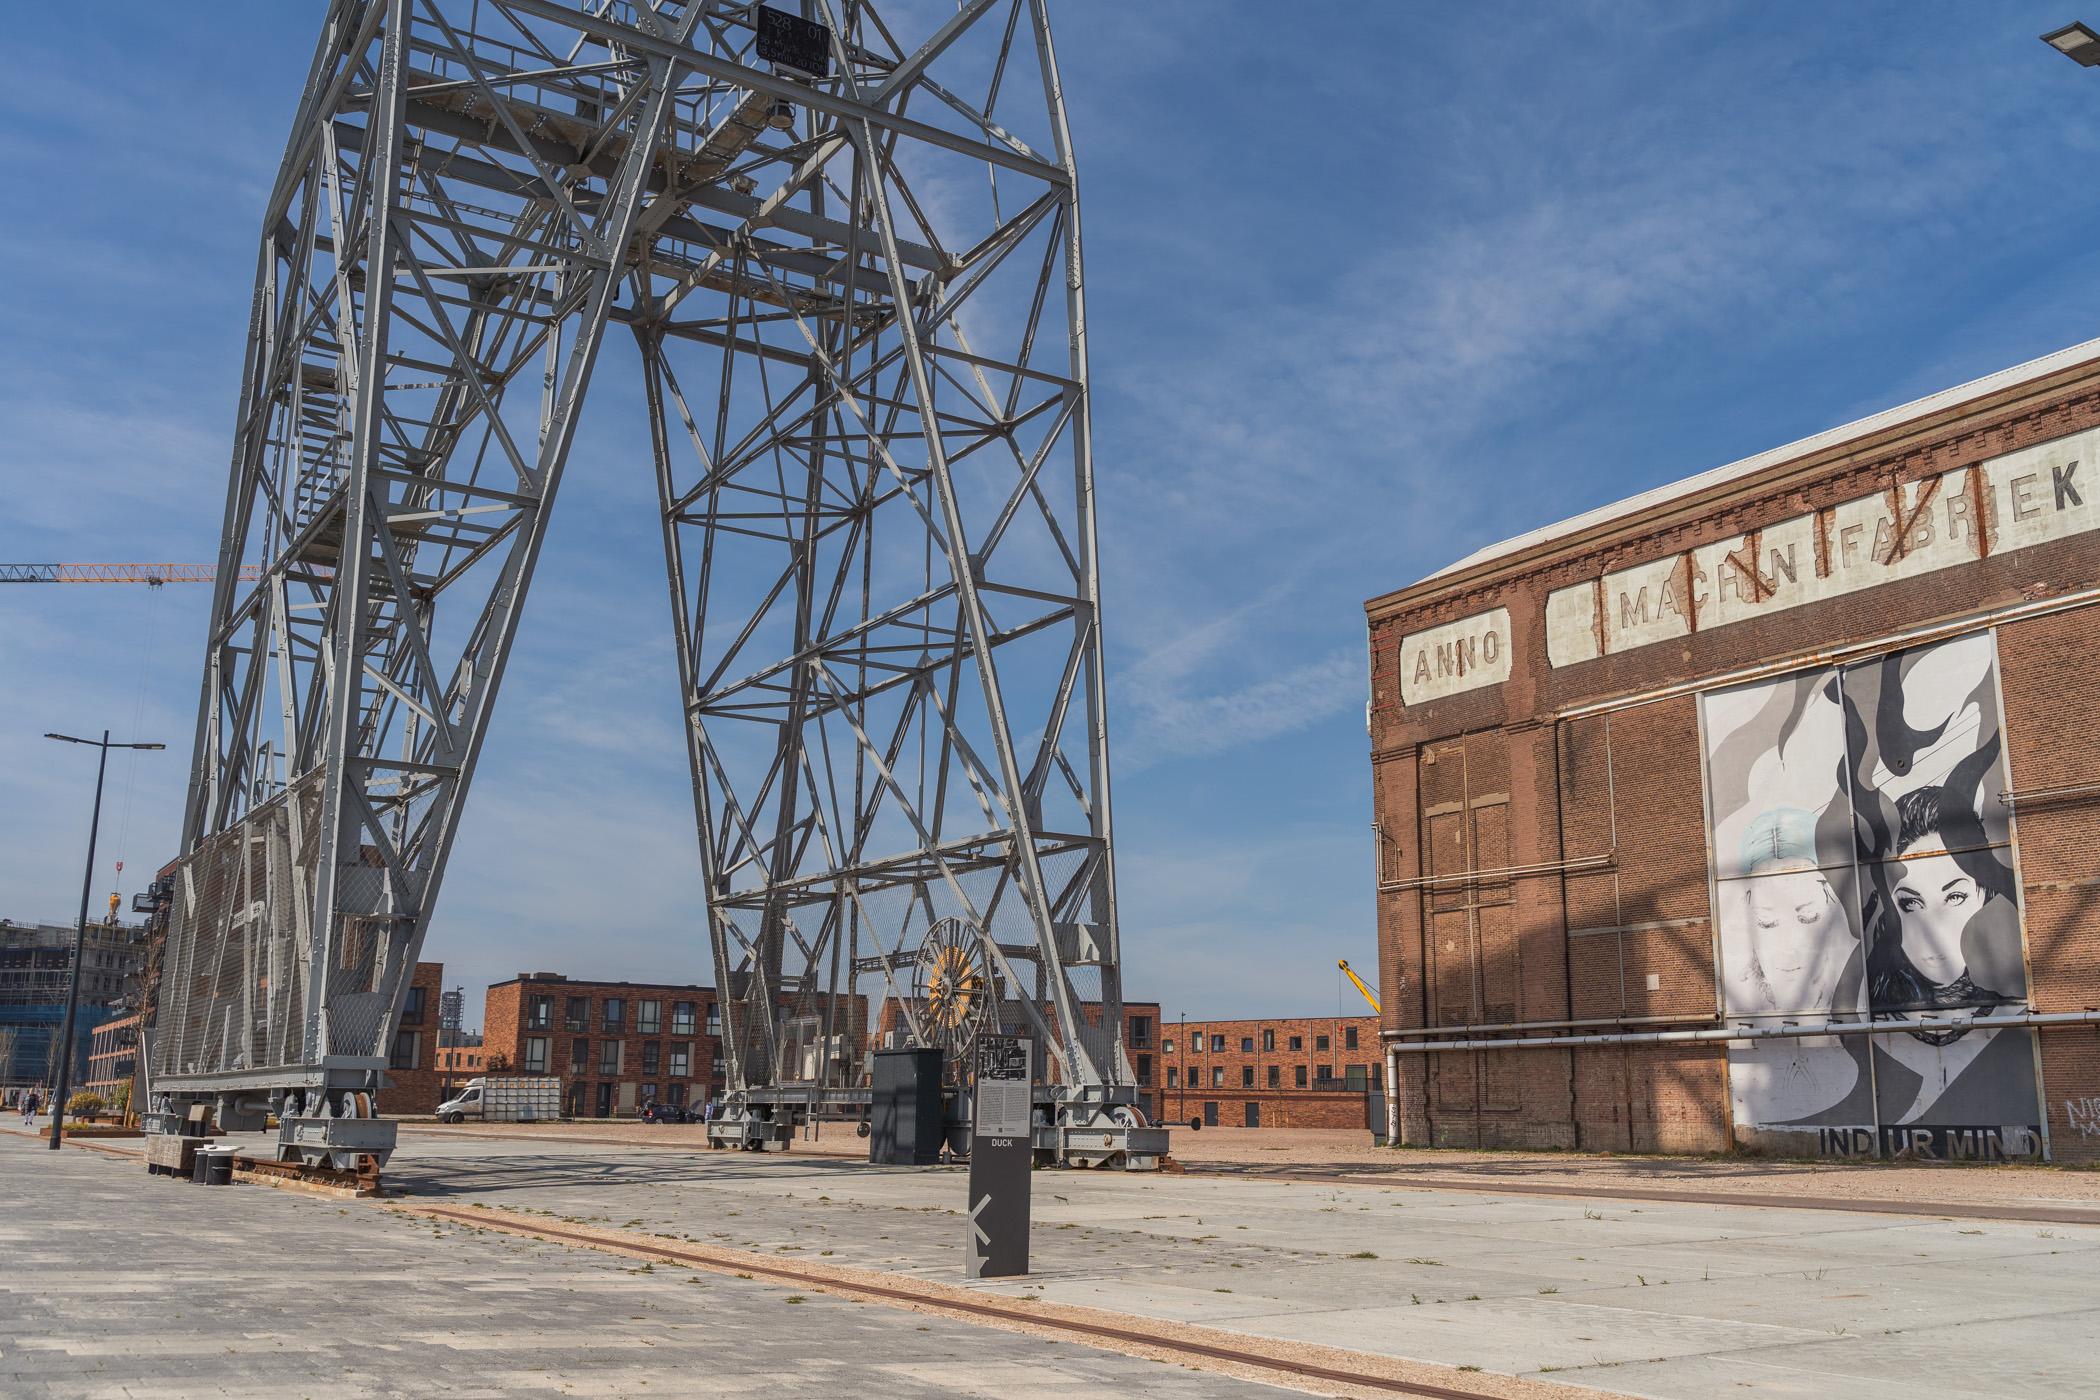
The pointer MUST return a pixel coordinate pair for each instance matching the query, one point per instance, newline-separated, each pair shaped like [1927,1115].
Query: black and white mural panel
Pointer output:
[1863,874]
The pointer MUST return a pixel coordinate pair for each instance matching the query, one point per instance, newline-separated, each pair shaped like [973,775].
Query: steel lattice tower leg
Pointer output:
[856,288]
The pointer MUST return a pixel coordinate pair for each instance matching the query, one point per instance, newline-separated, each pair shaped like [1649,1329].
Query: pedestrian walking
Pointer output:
[30,1104]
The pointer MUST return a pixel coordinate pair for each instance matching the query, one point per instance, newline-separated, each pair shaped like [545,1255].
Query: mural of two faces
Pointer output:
[1863,875]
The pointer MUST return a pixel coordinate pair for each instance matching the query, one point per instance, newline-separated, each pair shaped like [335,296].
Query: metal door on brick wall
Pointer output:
[1468,908]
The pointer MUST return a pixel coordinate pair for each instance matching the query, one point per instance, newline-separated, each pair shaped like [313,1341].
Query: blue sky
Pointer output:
[1370,286]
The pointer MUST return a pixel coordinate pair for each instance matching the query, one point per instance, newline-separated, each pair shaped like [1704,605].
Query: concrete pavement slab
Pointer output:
[1597,1290]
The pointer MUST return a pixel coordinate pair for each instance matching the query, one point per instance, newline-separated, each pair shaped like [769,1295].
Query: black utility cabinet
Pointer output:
[905,1128]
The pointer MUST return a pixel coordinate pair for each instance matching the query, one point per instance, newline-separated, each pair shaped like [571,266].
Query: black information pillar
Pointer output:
[1001,1152]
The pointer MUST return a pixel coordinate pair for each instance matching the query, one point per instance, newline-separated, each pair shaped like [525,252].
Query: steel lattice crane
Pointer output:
[847,246]
[152,575]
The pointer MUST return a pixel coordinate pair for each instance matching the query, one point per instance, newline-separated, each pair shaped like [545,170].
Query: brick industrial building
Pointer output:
[1759,811]
[1317,1073]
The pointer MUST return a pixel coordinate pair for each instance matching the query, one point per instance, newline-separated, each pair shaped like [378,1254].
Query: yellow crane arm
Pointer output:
[1350,973]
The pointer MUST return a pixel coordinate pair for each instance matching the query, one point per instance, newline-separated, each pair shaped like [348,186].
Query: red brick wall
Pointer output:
[1624,779]
[1283,1105]
[2049,670]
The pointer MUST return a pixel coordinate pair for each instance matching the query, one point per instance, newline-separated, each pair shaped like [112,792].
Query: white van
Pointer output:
[508,1098]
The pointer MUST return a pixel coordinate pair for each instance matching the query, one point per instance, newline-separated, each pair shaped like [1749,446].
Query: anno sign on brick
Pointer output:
[1458,656]
[2050,491]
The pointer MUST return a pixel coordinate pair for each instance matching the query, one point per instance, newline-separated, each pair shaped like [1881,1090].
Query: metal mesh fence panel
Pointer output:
[234,981]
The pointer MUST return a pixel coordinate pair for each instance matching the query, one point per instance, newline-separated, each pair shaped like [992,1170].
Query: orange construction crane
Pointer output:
[152,575]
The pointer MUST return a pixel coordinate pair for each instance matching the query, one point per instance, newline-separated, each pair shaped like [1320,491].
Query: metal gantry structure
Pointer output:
[848,250]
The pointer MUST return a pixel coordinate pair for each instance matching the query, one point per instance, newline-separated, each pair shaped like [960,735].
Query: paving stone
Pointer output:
[116,1284]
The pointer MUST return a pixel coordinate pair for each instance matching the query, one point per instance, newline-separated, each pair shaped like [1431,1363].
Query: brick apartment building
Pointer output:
[615,1045]
[464,1060]
[415,1079]
[1758,811]
[1268,1073]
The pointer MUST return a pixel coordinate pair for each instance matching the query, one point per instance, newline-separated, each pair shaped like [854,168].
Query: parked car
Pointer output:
[654,1112]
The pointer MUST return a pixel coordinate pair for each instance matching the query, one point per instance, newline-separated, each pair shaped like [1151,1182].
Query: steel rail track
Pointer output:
[2052,1214]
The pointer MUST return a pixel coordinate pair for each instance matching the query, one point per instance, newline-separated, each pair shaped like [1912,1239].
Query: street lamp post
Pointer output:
[63,1052]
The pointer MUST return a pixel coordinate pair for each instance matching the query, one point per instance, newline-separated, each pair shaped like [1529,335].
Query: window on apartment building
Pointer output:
[1356,1077]
[1268,1040]
[578,1015]
[1299,1073]
[1275,1076]
[681,1061]
[406,1046]
[648,1018]
[1144,1069]
[682,1018]
[1348,1037]
[1319,1042]
[615,1015]
[1173,1077]
[609,1056]
[1217,1044]
[580,1055]
[1324,1076]
[674,1093]
[1377,1076]
[1217,1076]
[1246,1045]
[714,1019]
[648,1093]
[539,1014]
[1166,1045]
[412,1011]
[1246,1076]
[535,1054]
[1297,1042]
[652,1056]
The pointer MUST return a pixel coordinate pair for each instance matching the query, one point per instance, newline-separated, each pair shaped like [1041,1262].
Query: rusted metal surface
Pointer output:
[364,1181]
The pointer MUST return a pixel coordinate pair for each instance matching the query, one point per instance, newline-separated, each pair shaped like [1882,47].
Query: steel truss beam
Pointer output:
[859,309]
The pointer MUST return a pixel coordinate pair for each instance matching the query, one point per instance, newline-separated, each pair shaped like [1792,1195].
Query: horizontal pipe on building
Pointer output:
[1730,1033]
[1704,1018]
[2055,794]
[1507,872]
